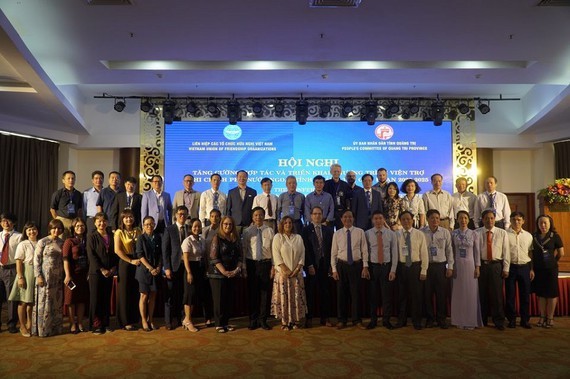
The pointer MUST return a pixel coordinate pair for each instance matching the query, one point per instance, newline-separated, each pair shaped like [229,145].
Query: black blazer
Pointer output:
[150,250]
[362,216]
[311,243]
[340,189]
[98,254]
[120,203]
[172,247]
[240,210]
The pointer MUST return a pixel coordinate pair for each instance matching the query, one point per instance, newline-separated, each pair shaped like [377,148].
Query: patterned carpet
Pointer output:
[317,352]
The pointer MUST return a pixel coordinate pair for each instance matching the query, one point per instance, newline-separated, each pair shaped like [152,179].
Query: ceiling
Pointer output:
[68,51]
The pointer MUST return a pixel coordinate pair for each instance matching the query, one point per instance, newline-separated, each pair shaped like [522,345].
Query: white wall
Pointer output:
[84,162]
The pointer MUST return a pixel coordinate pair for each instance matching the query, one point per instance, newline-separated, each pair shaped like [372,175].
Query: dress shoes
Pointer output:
[265,326]
[12,329]
[500,327]
[326,322]
[512,324]
[417,327]
[399,325]
[359,325]
[443,325]
[253,325]
[371,325]
[429,324]
[526,325]
[99,331]
[341,325]
[387,325]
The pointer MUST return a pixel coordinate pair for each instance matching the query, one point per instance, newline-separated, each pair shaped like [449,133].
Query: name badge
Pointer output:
[291,210]
[71,208]
[405,250]
[463,252]
[433,250]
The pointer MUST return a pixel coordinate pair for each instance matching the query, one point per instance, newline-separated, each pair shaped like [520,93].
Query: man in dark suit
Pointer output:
[173,267]
[339,190]
[317,238]
[240,202]
[126,200]
[365,202]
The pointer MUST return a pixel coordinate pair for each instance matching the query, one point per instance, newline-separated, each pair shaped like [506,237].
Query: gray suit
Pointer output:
[179,200]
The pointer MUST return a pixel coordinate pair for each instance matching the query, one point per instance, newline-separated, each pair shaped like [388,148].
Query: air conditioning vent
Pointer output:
[334,3]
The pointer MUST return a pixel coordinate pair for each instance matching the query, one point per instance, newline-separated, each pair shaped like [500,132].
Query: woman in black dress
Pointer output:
[102,268]
[225,263]
[547,251]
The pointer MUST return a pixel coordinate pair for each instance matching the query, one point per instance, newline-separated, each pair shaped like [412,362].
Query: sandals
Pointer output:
[221,329]
[285,327]
[189,326]
[549,323]
[541,322]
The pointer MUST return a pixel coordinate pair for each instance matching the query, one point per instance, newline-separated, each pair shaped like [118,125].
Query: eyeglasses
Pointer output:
[148,224]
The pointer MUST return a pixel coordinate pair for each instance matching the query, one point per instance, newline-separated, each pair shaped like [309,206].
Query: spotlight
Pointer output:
[279,109]
[119,105]
[369,112]
[437,113]
[168,111]
[347,109]
[324,109]
[146,106]
[213,109]
[413,108]
[391,109]
[234,112]
[257,109]
[463,108]
[192,108]
[483,108]
[301,111]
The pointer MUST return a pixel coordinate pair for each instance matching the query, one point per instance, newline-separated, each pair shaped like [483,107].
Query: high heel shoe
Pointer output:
[549,323]
[25,333]
[541,322]
[188,325]
[73,329]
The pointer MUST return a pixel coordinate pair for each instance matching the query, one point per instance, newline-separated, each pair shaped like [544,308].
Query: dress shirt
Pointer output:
[284,205]
[441,201]
[90,198]
[464,202]
[381,187]
[62,198]
[439,243]
[358,243]
[25,252]
[250,241]
[207,203]
[261,200]
[500,246]
[502,207]
[520,246]
[419,248]
[195,247]
[389,244]
[106,197]
[13,241]
[288,250]
[323,200]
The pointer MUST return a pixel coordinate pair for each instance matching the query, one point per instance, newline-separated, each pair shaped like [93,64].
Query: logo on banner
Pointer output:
[384,132]
[232,132]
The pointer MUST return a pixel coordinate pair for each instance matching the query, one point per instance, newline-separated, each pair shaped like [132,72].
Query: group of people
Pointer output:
[286,247]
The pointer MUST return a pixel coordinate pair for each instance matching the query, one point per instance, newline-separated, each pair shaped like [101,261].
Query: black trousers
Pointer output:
[99,300]
[221,298]
[518,275]
[379,284]
[436,283]
[491,292]
[410,289]
[317,287]
[128,300]
[173,296]
[258,288]
[347,290]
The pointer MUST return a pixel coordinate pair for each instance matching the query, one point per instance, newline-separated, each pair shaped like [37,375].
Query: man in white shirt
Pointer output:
[439,271]
[383,253]
[188,197]
[90,198]
[495,200]
[412,270]
[463,200]
[256,245]
[268,202]
[212,199]
[9,240]
[349,263]
[520,271]
[440,200]
[495,262]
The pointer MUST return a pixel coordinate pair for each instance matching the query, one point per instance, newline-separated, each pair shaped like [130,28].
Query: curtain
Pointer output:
[562,159]
[28,177]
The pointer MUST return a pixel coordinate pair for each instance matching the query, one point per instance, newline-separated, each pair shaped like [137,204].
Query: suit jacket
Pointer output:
[172,247]
[120,203]
[340,193]
[360,207]
[99,255]
[311,241]
[179,200]
[150,250]
[149,206]
[238,209]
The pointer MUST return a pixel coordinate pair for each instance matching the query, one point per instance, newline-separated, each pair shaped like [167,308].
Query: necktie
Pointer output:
[216,197]
[349,257]
[129,201]
[5,250]
[380,243]
[409,245]
[320,239]
[258,245]
[368,200]
[489,246]
[492,200]
[182,233]
[269,206]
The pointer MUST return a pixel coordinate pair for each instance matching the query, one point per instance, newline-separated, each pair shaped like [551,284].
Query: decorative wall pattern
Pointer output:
[152,148]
